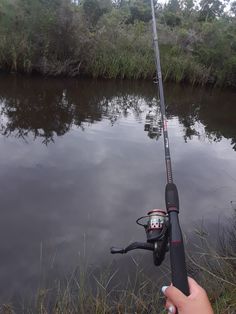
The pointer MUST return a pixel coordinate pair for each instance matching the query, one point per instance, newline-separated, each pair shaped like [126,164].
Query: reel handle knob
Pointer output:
[115,250]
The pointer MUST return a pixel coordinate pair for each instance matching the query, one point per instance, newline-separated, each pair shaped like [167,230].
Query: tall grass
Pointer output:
[214,264]
[93,290]
[57,39]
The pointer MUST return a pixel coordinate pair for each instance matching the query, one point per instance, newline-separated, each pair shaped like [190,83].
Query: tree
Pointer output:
[233,8]
[140,10]
[173,6]
[171,19]
[94,9]
[210,9]
[188,7]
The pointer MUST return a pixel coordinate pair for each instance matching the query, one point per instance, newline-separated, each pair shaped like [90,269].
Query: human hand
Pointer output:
[196,303]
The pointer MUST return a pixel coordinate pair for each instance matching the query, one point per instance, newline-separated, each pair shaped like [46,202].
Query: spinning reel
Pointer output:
[156,226]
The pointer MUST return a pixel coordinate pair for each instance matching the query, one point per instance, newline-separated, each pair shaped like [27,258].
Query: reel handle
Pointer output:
[115,250]
[133,246]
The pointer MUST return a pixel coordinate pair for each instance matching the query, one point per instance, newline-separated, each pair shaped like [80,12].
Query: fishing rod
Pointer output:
[162,228]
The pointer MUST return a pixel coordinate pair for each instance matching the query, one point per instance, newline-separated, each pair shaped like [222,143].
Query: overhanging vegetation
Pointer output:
[100,38]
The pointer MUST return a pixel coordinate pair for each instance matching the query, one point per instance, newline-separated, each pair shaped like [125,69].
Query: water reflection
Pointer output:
[213,109]
[153,124]
[100,170]
[49,108]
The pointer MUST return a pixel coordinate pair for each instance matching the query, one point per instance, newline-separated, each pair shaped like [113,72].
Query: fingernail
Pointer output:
[171,309]
[163,289]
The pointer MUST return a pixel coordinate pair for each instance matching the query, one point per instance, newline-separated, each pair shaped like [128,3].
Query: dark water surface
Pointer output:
[77,169]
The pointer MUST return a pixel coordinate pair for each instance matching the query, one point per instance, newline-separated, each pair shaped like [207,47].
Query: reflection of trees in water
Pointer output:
[153,123]
[207,114]
[123,106]
[49,108]
[38,114]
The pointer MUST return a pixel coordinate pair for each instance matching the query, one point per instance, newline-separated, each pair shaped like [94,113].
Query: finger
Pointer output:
[194,287]
[174,295]
[168,304]
[170,308]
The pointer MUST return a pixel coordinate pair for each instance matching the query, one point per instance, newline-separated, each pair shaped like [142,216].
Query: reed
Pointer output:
[101,290]
[215,266]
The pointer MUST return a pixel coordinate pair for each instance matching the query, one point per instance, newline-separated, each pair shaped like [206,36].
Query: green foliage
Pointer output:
[230,71]
[173,6]
[210,9]
[94,9]
[100,38]
[140,10]
[188,6]
[233,8]
[123,54]
[172,19]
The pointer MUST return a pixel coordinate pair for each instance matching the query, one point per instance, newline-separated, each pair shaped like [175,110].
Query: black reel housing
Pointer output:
[155,224]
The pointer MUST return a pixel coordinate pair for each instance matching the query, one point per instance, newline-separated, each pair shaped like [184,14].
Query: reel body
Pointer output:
[156,225]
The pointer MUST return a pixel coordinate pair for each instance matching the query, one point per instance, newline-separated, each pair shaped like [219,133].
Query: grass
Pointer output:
[103,291]
[92,291]
[214,265]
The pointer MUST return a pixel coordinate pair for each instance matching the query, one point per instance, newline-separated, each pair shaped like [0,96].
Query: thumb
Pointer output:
[174,295]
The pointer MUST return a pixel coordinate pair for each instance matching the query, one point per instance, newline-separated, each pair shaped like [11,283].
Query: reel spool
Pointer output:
[155,224]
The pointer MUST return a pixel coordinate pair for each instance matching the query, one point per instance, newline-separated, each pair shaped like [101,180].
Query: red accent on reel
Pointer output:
[161,211]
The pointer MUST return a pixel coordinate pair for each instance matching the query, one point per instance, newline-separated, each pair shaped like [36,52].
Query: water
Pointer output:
[77,169]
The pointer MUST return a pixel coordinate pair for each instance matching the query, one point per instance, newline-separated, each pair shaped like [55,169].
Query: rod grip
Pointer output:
[172,197]
[177,255]
[178,267]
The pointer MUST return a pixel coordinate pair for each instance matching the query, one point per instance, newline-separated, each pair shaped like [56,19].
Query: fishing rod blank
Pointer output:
[177,255]
[162,228]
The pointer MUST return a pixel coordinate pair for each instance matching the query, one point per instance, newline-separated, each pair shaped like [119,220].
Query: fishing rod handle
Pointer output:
[178,265]
[177,254]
